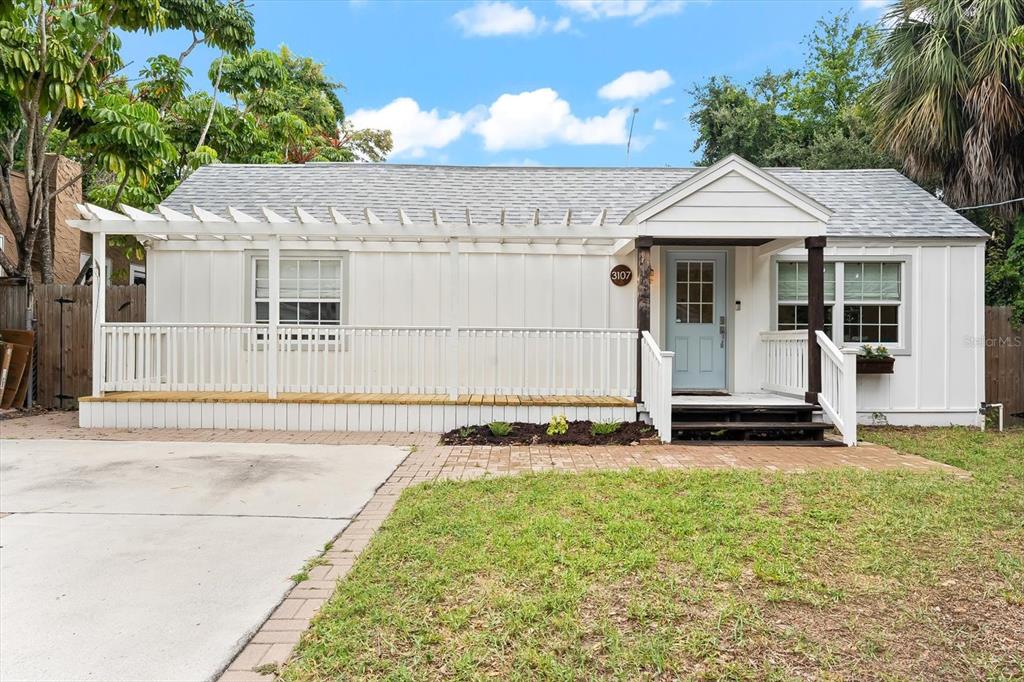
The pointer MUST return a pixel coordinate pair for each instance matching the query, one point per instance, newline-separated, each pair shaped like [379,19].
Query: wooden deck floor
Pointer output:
[361,398]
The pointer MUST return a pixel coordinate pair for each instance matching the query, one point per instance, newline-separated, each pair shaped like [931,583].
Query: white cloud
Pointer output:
[637,10]
[636,85]
[531,120]
[495,18]
[667,101]
[873,4]
[660,125]
[413,129]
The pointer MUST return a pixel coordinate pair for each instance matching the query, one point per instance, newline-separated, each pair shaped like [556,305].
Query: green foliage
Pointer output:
[604,428]
[949,102]
[558,425]
[228,26]
[500,429]
[874,352]
[814,118]
[1004,276]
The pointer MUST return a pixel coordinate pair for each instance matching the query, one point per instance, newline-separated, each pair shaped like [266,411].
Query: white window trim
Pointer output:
[134,269]
[904,320]
[250,280]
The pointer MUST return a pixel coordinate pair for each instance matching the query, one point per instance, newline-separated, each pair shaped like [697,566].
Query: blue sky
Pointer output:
[516,83]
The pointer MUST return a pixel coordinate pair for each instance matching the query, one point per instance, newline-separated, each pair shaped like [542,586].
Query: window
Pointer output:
[866,297]
[310,291]
[871,303]
[695,292]
[136,273]
[792,295]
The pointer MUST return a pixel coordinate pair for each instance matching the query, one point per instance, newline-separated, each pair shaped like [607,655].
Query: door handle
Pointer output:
[721,331]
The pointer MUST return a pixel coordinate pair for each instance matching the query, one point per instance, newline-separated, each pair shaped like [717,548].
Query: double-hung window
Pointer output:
[310,291]
[792,295]
[871,302]
[864,300]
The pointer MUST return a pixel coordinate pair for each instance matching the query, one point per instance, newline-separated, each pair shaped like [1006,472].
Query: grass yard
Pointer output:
[715,575]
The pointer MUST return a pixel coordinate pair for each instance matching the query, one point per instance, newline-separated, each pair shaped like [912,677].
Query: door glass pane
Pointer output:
[695,292]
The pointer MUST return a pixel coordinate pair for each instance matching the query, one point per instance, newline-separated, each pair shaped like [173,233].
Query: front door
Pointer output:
[695,319]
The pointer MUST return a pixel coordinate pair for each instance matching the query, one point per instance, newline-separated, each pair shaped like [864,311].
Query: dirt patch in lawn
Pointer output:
[578,433]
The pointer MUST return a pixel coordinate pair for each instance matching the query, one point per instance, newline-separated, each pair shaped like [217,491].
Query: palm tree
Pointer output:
[949,103]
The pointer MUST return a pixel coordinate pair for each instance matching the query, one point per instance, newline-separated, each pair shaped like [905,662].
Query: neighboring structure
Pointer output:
[420,292]
[68,242]
[71,247]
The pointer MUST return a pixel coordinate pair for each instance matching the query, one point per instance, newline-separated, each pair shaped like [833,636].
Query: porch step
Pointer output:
[724,421]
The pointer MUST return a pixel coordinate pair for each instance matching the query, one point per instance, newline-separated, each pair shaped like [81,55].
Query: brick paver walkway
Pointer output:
[274,642]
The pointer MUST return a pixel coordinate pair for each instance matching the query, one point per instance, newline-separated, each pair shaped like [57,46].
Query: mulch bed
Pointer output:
[523,433]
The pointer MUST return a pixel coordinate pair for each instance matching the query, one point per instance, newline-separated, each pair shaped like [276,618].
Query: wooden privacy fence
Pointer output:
[68,358]
[1004,360]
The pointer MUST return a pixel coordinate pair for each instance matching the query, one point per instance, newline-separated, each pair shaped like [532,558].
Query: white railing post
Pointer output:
[274,318]
[453,331]
[99,310]
[848,396]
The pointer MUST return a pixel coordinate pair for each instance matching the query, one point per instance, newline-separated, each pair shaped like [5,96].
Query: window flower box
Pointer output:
[875,365]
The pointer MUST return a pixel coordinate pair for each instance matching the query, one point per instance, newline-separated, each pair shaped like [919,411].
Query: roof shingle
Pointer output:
[874,202]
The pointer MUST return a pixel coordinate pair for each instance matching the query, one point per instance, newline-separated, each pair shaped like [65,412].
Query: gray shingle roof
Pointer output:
[864,202]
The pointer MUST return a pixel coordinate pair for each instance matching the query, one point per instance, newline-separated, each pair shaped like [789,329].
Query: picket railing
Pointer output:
[184,357]
[369,359]
[838,397]
[656,385]
[785,362]
[546,361]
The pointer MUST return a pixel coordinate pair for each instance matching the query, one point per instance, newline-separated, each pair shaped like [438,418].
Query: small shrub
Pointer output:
[604,428]
[558,425]
[499,429]
[466,431]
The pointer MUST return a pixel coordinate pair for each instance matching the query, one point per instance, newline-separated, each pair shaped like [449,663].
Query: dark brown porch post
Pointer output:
[643,303]
[815,313]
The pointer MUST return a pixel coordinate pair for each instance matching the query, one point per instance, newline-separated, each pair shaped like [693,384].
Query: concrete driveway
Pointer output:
[156,561]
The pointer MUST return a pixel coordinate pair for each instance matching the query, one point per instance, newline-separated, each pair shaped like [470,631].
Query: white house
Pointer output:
[357,296]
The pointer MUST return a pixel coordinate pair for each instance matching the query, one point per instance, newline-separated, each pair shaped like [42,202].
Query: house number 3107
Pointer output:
[621,275]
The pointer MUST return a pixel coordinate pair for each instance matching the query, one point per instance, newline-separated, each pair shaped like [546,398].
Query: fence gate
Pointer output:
[72,359]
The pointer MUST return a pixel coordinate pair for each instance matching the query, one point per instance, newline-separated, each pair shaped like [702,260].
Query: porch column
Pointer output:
[99,310]
[455,284]
[643,303]
[815,313]
[274,318]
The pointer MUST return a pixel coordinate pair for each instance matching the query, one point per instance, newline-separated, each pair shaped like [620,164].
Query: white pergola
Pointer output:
[271,229]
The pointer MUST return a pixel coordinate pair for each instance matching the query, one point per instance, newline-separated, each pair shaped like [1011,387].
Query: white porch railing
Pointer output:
[838,397]
[785,372]
[656,385]
[369,359]
[183,357]
[785,362]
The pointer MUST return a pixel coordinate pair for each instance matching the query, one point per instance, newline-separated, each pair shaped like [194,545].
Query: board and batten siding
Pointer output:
[401,288]
[940,378]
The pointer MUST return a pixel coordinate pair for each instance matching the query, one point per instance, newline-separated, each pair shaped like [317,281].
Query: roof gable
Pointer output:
[733,174]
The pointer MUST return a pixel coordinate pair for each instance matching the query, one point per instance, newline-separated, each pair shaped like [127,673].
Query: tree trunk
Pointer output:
[213,104]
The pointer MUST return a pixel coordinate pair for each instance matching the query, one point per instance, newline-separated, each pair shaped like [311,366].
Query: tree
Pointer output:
[950,104]
[817,117]
[54,57]
[732,119]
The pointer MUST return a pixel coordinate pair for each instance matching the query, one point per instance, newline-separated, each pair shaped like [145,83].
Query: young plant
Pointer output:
[604,428]
[558,425]
[500,429]
[874,353]
[466,431]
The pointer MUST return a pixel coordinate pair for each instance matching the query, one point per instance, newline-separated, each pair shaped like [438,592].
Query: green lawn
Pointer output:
[714,575]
